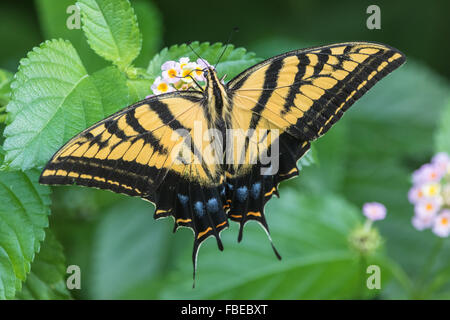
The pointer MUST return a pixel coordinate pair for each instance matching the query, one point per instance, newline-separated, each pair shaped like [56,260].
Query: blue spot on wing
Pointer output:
[242,193]
[212,205]
[199,209]
[183,199]
[256,190]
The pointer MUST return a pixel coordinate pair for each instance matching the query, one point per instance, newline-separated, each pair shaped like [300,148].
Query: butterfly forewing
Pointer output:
[300,95]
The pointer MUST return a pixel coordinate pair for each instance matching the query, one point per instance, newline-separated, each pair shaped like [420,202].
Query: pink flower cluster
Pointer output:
[374,211]
[430,195]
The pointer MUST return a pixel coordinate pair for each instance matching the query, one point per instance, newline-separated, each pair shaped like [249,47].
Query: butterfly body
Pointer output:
[216,96]
[208,156]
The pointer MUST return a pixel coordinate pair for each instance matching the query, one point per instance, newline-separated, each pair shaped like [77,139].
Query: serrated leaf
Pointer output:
[233,61]
[112,86]
[53,98]
[311,233]
[46,280]
[24,210]
[53,19]
[112,30]
[442,135]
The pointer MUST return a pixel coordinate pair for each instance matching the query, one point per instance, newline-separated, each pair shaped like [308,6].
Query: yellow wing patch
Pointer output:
[303,93]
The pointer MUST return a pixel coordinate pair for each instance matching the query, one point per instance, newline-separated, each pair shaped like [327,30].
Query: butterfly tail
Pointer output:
[198,207]
[247,196]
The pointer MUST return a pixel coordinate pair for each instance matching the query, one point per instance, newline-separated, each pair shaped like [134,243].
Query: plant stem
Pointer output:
[428,267]
[363,266]
[367,225]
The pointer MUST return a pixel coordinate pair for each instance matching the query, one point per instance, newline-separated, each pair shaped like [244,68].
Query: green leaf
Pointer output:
[111,83]
[139,88]
[327,172]
[46,280]
[5,88]
[53,98]
[128,248]
[111,30]
[53,18]
[442,135]
[307,160]
[311,233]
[233,61]
[24,210]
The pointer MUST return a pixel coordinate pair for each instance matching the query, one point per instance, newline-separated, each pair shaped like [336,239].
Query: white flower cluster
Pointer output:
[430,195]
[180,75]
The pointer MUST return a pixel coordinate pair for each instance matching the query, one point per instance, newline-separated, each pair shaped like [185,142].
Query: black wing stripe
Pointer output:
[164,114]
[270,82]
[294,88]
[148,136]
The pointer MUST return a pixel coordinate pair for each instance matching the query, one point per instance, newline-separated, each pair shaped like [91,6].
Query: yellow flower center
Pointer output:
[429,207]
[162,87]
[186,73]
[198,71]
[433,190]
[444,221]
[172,73]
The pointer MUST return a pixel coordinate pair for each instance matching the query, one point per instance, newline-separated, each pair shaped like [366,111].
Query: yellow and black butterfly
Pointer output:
[150,149]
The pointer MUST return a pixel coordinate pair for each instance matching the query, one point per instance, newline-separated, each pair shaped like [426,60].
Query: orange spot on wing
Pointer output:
[221,224]
[270,192]
[286,174]
[159,211]
[203,232]
[256,214]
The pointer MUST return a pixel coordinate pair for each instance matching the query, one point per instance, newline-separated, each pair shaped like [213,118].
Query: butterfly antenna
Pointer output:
[189,45]
[235,29]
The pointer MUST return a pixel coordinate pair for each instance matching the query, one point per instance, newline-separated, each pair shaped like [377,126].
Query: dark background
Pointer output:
[418,28]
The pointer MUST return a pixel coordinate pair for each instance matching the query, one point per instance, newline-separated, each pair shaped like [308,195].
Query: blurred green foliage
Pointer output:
[123,253]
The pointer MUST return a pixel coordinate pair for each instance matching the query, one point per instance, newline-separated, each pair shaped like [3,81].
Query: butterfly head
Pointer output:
[209,73]
[212,79]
